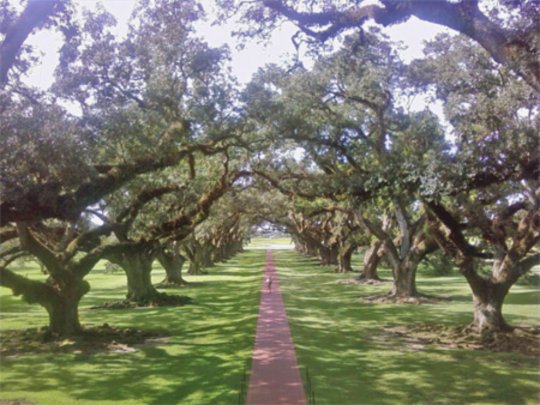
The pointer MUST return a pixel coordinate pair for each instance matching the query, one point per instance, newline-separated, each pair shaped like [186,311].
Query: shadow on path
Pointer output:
[275,377]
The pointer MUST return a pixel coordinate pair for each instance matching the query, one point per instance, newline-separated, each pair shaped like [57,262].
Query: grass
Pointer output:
[338,339]
[271,243]
[352,361]
[202,363]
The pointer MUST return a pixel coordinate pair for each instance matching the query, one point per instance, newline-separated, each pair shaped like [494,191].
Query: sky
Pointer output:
[244,63]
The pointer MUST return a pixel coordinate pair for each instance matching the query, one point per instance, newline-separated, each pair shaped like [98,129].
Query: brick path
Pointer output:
[275,378]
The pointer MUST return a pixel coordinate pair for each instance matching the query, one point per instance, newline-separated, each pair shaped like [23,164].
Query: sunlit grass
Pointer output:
[270,243]
[202,363]
[337,338]
[352,361]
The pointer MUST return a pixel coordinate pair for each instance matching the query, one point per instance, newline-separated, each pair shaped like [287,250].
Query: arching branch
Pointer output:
[36,13]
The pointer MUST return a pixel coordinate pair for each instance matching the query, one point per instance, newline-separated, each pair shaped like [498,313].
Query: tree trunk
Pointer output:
[194,267]
[173,263]
[488,309]
[310,250]
[64,317]
[238,246]
[488,299]
[59,295]
[327,256]
[301,247]
[199,258]
[140,286]
[404,283]
[195,262]
[138,268]
[206,256]
[63,309]
[372,258]
[219,254]
[344,259]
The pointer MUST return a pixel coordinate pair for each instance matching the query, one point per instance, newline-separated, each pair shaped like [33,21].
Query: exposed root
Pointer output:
[524,340]
[160,300]
[396,299]
[91,340]
[363,281]
[171,284]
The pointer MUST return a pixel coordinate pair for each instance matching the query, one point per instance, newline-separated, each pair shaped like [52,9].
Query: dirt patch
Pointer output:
[363,281]
[92,340]
[393,299]
[161,300]
[524,340]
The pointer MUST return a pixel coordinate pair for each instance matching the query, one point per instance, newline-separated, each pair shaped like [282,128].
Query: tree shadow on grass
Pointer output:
[203,361]
[152,375]
[347,365]
[334,337]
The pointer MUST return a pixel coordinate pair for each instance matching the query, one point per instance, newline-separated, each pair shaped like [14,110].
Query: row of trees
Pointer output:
[145,148]
[129,170]
[401,177]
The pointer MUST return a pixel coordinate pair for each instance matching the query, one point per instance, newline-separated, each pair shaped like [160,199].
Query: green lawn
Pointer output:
[211,341]
[271,243]
[352,361]
[338,339]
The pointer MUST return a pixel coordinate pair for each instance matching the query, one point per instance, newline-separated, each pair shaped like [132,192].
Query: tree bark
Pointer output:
[137,264]
[488,309]
[199,258]
[194,268]
[173,263]
[404,282]
[488,299]
[60,299]
[63,310]
[344,259]
[327,256]
[372,258]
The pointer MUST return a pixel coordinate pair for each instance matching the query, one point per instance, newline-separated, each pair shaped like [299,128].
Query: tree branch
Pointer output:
[31,290]
[33,246]
[512,50]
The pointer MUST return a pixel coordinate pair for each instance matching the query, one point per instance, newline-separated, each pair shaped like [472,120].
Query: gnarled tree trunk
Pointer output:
[199,258]
[137,264]
[488,299]
[60,298]
[173,262]
[328,255]
[404,279]
[372,258]
[344,258]
[63,309]
[488,308]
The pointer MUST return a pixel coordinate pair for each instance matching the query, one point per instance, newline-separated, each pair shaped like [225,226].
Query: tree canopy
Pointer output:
[146,148]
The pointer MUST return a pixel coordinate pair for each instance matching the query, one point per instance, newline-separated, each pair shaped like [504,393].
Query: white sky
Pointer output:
[244,63]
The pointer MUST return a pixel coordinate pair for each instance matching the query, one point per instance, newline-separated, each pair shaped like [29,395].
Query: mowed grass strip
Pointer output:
[210,342]
[352,360]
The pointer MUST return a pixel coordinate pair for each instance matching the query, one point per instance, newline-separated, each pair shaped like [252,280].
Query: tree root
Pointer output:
[92,339]
[364,281]
[159,300]
[396,299]
[524,339]
[171,284]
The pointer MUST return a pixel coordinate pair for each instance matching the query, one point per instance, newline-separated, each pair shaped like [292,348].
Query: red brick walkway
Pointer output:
[275,378]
